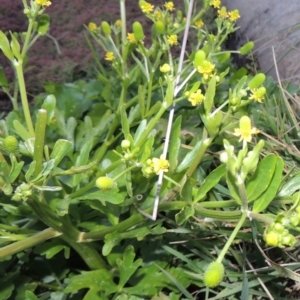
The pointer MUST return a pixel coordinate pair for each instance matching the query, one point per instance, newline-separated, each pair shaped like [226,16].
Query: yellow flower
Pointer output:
[206,68]
[109,56]
[165,68]
[215,3]
[222,13]
[172,40]
[118,23]
[147,8]
[234,15]
[199,24]
[245,130]
[159,164]
[43,2]
[258,95]
[131,38]
[157,15]
[92,26]
[169,6]
[196,98]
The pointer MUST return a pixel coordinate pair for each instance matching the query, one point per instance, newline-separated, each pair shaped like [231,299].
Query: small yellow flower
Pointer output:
[169,6]
[147,8]
[131,38]
[215,3]
[92,26]
[199,24]
[159,164]
[43,2]
[157,15]
[109,56]
[245,131]
[234,15]
[222,13]
[196,98]
[206,68]
[172,40]
[258,95]
[118,23]
[165,68]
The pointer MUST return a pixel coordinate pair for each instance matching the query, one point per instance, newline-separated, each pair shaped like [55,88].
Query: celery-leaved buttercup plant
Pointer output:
[81,179]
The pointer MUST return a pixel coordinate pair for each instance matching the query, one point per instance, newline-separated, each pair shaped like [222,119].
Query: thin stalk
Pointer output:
[31,241]
[27,37]
[232,237]
[40,130]
[20,76]
[132,221]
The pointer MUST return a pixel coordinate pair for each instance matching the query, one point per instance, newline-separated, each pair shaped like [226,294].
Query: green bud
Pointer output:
[106,28]
[246,48]
[214,274]
[223,57]
[160,27]
[257,81]
[179,15]
[11,144]
[200,56]
[213,124]
[272,239]
[125,144]
[295,220]
[138,31]
[278,227]
[104,183]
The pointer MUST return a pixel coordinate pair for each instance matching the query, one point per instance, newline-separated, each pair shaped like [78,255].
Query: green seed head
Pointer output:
[11,144]
[214,274]
[160,27]
[104,183]
[125,144]
[246,48]
[138,31]
[257,81]
[200,56]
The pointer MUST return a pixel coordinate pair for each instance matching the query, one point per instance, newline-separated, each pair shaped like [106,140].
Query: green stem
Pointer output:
[40,130]
[124,172]
[31,241]
[232,237]
[20,76]
[132,221]
[27,37]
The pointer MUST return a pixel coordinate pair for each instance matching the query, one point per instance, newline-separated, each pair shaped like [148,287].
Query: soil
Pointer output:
[63,55]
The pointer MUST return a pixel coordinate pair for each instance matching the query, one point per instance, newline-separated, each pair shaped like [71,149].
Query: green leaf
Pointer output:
[127,266]
[15,47]
[53,247]
[189,158]
[210,181]
[234,192]
[21,131]
[112,196]
[261,178]
[174,144]
[210,96]
[49,105]
[43,24]
[3,79]
[290,186]
[184,214]
[29,295]
[125,123]
[140,131]
[146,149]
[169,92]
[141,98]
[82,159]
[16,168]
[265,199]
[4,46]
[60,150]
[99,280]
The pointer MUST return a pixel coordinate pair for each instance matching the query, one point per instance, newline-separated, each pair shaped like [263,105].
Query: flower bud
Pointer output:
[272,239]
[246,48]
[160,27]
[200,56]
[257,81]
[138,31]
[104,183]
[214,274]
[106,28]
[125,144]
[11,144]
